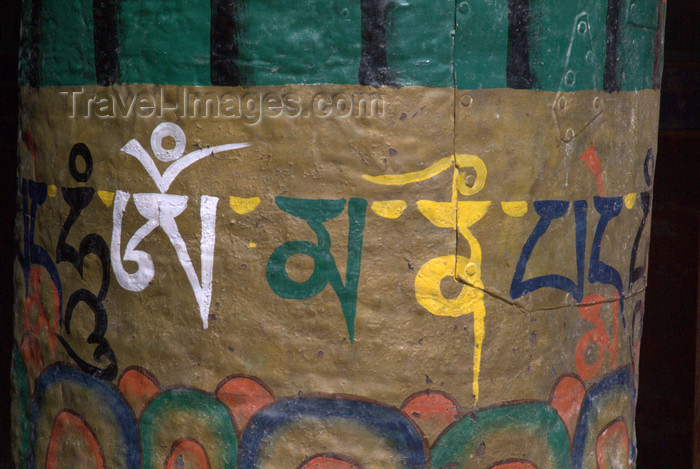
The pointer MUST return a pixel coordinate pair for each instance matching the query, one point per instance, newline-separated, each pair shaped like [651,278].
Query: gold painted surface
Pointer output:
[301,346]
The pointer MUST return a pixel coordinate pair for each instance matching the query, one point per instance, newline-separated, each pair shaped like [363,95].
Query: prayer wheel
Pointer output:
[332,235]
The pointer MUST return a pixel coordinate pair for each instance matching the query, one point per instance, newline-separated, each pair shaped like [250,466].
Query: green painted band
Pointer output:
[530,44]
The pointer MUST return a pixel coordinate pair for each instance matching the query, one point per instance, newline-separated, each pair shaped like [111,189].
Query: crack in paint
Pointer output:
[523,309]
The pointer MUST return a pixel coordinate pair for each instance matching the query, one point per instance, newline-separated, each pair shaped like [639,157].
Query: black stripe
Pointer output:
[612,27]
[224,42]
[34,43]
[105,16]
[518,58]
[658,50]
[373,70]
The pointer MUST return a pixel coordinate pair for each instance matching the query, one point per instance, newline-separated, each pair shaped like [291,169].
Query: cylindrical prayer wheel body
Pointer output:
[304,234]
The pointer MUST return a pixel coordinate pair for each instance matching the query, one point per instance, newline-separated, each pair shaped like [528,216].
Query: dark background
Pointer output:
[668,367]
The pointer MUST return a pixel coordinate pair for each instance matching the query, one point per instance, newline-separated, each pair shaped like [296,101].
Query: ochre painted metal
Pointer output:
[333,235]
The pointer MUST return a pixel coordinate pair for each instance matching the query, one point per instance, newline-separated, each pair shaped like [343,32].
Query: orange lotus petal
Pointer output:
[188,446]
[138,387]
[330,462]
[65,422]
[567,397]
[433,411]
[244,396]
[613,446]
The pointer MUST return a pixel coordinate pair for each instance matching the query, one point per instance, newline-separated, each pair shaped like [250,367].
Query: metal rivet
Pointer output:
[470,180]
[597,102]
[570,134]
[464,8]
[465,100]
[570,77]
[562,102]
[471,269]
[582,27]
[589,56]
